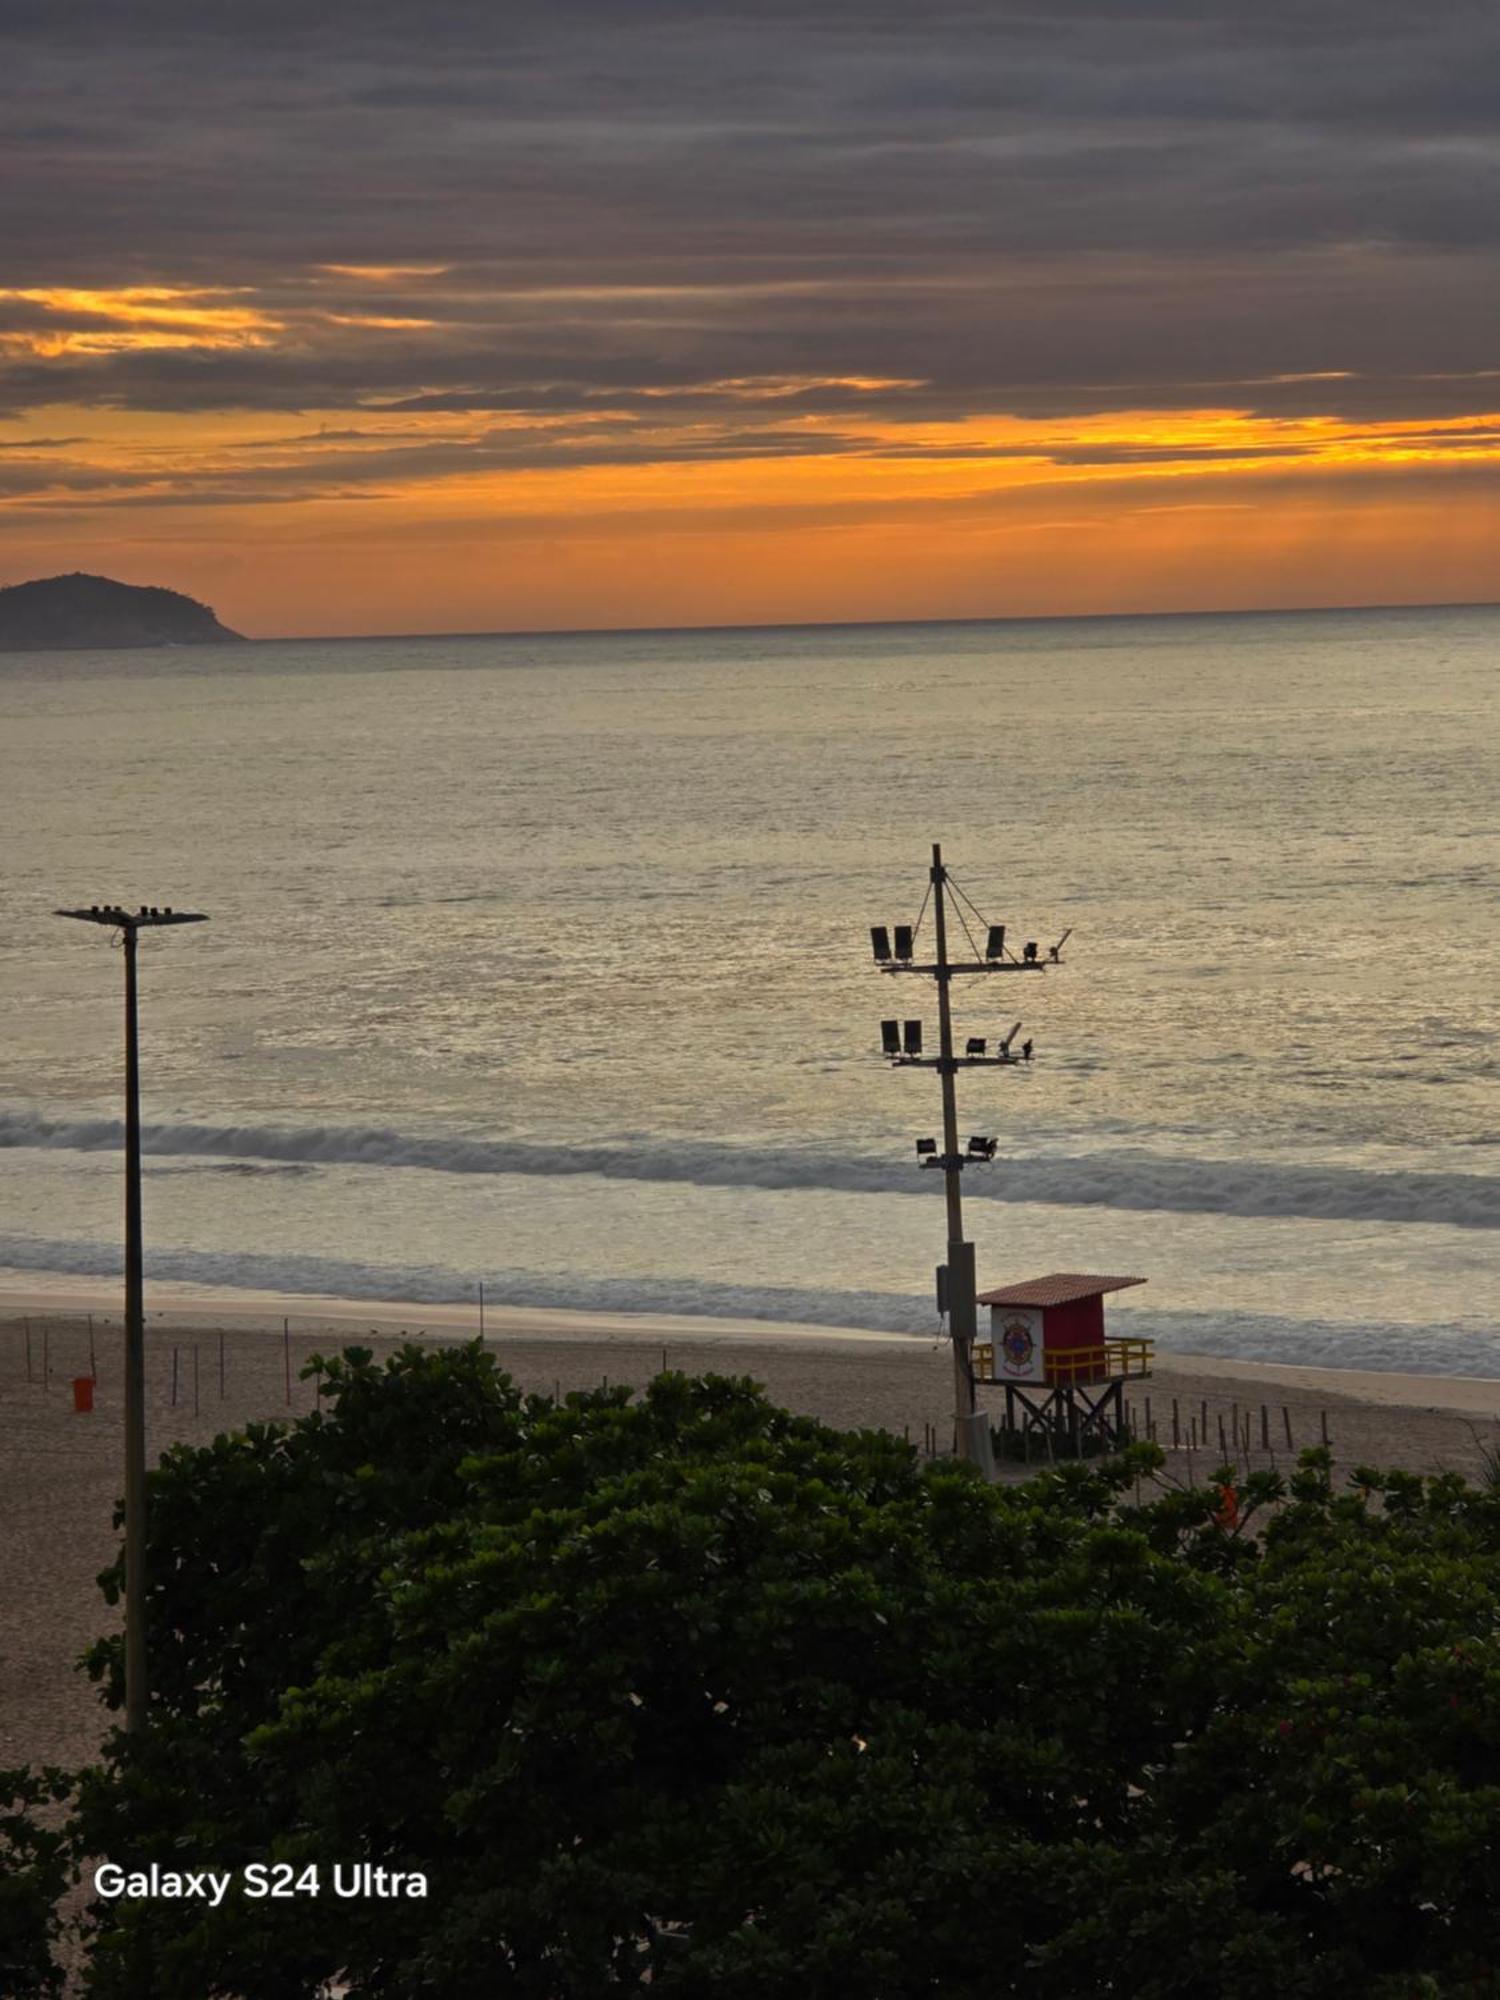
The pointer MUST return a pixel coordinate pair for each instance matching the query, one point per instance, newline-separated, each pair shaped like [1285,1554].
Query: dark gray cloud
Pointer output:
[1039,208]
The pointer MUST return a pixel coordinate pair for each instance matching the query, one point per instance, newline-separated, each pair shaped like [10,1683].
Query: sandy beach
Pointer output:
[215,1363]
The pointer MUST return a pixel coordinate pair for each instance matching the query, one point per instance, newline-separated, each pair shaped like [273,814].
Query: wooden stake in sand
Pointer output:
[174,1378]
[46,1356]
[1323,1424]
[286,1349]
[1223,1447]
[481,1312]
[1286,1418]
[93,1362]
[1265,1428]
[221,1364]
[195,1379]
[27,1324]
[1176,1428]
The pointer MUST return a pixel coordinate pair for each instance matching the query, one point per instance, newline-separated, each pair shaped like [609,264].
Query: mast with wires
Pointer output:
[895,952]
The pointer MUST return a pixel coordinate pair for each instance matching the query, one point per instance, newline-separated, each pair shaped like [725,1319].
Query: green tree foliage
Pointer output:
[687,1694]
[33,1877]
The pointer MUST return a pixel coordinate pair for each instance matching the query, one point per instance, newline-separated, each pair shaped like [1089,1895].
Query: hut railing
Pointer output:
[1111,1358]
[1102,1363]
[1130,1357]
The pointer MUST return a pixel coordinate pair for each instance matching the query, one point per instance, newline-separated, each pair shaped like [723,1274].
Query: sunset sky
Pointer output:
[388,318]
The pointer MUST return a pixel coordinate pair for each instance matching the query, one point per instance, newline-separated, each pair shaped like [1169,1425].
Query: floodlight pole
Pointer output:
[129,923]
[957,1287]
[962,1309]
[135,1367]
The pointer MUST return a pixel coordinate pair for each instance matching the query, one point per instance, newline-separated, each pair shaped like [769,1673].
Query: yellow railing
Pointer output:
[1130,1357]
[1078,1364]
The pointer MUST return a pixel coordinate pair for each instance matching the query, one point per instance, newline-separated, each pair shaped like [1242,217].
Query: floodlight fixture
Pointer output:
[974,1046]
[912,1036]
[995,943]
[890,1038]
[903,946]
[1028,951]
[880,944]
[926,1148]
[144,918]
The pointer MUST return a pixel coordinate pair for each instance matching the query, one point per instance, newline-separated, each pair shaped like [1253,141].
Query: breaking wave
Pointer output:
[433,1284]
[1119,1179]
[1445,1348]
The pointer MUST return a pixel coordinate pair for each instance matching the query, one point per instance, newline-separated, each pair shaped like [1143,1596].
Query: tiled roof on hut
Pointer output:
[1058,1288]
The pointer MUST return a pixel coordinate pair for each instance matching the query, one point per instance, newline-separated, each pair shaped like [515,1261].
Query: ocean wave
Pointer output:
[1123,1179]
[432,1284]
[1445,1348]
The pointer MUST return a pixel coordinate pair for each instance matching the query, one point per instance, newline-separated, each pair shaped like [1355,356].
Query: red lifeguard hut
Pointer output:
[1063,1379]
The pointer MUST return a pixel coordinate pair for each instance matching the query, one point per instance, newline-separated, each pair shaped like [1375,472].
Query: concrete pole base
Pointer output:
[976,1444]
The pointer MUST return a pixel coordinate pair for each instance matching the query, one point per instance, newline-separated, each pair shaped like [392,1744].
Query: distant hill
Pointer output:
[57,613]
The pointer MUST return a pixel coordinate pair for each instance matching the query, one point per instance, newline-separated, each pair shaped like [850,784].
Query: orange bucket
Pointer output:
[83,1392]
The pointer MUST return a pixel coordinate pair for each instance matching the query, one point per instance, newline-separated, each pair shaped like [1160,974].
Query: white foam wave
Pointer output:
[1446,1348]
[1118,1179]
[433,1284]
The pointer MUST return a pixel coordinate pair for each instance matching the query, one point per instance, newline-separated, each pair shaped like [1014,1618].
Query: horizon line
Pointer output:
[870,624]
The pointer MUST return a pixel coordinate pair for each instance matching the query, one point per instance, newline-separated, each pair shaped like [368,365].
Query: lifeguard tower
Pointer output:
[1063,1380]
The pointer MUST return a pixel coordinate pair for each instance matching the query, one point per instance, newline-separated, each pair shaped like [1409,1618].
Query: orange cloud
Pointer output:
[377,321]
[730,496]
[140,316]
[384,274]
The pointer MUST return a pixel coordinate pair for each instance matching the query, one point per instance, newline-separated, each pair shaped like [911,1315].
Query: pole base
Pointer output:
[976,1444]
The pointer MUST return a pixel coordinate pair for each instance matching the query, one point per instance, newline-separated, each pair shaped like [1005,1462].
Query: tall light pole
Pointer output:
[902,1045]
[129,923]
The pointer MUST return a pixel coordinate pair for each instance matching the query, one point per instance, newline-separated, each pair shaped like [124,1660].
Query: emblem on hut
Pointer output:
[1017,1344]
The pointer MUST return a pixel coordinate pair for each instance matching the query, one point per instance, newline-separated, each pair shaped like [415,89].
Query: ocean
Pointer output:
[544,962]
